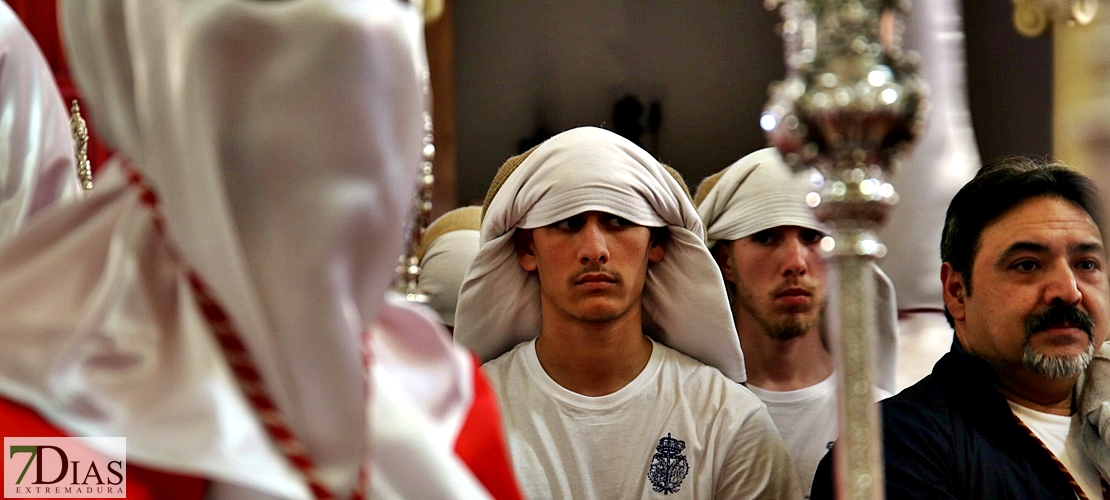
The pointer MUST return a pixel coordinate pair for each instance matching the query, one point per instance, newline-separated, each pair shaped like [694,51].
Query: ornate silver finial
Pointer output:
[850,106]
[408,267]
[81,146]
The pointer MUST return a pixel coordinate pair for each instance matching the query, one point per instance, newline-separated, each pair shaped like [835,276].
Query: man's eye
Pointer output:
[1089,265]
[1025,265]
[810,236]
[615,221]
[568,224]
[762,238]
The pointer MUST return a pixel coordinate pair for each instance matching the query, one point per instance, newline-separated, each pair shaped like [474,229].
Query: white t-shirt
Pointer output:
[678,430]
[1061,435]
[806,419]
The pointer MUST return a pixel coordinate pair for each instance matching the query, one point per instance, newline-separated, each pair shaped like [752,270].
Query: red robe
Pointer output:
[480,445]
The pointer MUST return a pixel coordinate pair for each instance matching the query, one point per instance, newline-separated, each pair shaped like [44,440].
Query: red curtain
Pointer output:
[41,19]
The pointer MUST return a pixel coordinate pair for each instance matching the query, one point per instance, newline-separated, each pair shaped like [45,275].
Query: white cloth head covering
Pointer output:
[37,166]
[283,139]
[761,192]
[449,246]
[591,169]
[756,193]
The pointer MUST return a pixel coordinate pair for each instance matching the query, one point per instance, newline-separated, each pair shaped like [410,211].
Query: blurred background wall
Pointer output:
[523,68]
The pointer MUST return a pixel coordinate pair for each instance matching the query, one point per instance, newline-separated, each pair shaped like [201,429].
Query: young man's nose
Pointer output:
[592,244]
[795,256]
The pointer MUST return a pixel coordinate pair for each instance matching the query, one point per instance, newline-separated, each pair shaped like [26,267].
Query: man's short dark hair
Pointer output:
[996,189]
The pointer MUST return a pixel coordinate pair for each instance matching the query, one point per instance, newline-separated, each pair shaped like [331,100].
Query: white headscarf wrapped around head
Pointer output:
[446,250]
[760,192]
[756,193]
[591,169]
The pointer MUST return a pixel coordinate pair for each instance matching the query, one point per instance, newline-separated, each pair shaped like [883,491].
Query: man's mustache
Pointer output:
[594,268]
[1059,315]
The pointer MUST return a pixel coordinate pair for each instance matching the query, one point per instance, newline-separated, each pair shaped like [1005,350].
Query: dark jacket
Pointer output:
[952,435]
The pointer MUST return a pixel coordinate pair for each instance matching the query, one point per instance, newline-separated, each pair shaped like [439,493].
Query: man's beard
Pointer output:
[784,329]
[1066,366]
[1057,366]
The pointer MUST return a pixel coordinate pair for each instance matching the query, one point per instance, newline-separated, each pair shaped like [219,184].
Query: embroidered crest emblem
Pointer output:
[668,466]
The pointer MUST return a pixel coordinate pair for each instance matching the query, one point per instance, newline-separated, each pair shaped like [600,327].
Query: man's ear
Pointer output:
[954,290]
[525,249]
[657,244]
[656,251]
[722,253]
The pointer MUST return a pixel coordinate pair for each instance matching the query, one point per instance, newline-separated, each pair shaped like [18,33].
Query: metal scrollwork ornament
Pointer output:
[1033,17]
[80,133]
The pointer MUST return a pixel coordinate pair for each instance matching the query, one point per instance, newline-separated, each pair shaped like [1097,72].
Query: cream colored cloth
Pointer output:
[760,192]
[37,164]
[1094,408]
[283,140]
[449,246]
[591,169]
[886,324]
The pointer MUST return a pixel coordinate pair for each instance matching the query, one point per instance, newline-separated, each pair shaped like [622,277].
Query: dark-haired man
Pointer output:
[1005,414]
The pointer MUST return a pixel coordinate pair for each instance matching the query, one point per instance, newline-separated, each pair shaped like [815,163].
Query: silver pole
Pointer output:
[849,106]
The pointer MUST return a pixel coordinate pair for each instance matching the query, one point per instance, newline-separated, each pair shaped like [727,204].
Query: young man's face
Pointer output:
[591,266]
[778,278]
[1039,295]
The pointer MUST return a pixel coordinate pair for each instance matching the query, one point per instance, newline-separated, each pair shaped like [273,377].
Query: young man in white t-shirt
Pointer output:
[618,372]
[765,240]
